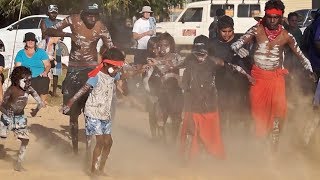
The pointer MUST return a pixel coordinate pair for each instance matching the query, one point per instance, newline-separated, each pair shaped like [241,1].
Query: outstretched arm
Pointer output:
[297,51]
[40,103]
[81,92]
[56,30]
[233,67]
[237,46]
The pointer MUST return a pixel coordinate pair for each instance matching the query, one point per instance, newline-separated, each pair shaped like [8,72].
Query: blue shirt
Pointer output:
[35,63]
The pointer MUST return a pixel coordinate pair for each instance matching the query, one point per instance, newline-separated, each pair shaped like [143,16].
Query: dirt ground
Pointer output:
[135,156]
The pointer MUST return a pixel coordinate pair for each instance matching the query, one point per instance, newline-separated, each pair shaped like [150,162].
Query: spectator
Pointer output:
[143,29]
[52,46]
[37,61]
[314,44]
[213,26]
[56,65]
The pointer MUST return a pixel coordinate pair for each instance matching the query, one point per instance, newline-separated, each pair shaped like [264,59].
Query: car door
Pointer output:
[189,25]
[20,28]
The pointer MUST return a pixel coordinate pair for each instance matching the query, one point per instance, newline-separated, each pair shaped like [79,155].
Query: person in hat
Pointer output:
[49,21]
[142,30]
[38,61]
[13,107]
[86,29]
[55,50]
[99,108]
[267,95]
[201,123]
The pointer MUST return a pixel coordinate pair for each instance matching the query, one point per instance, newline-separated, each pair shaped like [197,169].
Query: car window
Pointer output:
[302,17]
[248,10]
[229,9]
[192,15]
[29,23]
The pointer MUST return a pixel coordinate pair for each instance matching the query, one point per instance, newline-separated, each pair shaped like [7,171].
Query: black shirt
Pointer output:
[2,63]
[198,83]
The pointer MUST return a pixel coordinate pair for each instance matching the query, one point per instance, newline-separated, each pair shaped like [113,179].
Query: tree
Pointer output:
[10,8]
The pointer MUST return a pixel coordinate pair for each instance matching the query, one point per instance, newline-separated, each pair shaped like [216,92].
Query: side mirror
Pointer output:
[10,28]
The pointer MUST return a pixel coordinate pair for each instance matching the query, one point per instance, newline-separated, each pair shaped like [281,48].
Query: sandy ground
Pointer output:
[135,156]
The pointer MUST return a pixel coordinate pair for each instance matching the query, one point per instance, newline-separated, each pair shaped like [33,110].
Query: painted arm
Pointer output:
[40,103]
[106,38]
[66,107]
[237,46]
[233,67]
[297,51]
[56,30]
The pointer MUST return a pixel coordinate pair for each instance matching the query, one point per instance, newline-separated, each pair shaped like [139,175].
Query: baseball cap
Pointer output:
[53,8]
[200,44]
[92,8]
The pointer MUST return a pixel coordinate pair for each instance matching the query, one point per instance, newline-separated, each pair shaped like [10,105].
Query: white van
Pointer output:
[196,18]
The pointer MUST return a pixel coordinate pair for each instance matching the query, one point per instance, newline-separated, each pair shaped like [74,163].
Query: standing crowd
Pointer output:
[226,80]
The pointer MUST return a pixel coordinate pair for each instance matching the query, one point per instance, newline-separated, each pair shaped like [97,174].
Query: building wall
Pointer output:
[293,5]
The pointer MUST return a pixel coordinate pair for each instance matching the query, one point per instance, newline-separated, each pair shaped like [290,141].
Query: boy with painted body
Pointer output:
[201,117]
[14,101]
[99,108]
[163,79]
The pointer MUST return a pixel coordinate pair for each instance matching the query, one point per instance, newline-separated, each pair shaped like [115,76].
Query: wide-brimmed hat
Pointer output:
[146,9]
[200,44]
[52,8]
[92,8]
[30,37]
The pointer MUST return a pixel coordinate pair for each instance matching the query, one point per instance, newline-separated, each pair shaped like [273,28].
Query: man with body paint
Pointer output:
[12,109]
[86,29]
[267,95]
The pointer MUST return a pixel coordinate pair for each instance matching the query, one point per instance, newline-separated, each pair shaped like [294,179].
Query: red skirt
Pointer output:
[268,98]
[205,130]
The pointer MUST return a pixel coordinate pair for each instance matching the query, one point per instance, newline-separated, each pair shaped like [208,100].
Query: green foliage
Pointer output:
[11,8]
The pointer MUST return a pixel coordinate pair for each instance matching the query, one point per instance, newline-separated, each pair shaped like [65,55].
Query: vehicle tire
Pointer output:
[65,51]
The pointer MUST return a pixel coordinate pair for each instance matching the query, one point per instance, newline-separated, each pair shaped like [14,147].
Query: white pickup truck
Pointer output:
[196,18]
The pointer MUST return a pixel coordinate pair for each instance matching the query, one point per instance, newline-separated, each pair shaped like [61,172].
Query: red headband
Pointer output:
[274,11]
[94,72]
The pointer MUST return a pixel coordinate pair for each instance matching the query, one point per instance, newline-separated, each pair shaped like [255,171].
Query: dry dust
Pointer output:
[135,156]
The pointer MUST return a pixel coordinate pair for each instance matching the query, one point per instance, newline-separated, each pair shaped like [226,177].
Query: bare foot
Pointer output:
[18,167]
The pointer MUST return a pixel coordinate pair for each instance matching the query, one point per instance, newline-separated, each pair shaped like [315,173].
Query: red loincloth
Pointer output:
[206,130]
[268,98]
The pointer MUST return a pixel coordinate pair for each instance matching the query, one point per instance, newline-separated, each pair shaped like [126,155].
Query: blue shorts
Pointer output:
[96,126]
[17,124]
